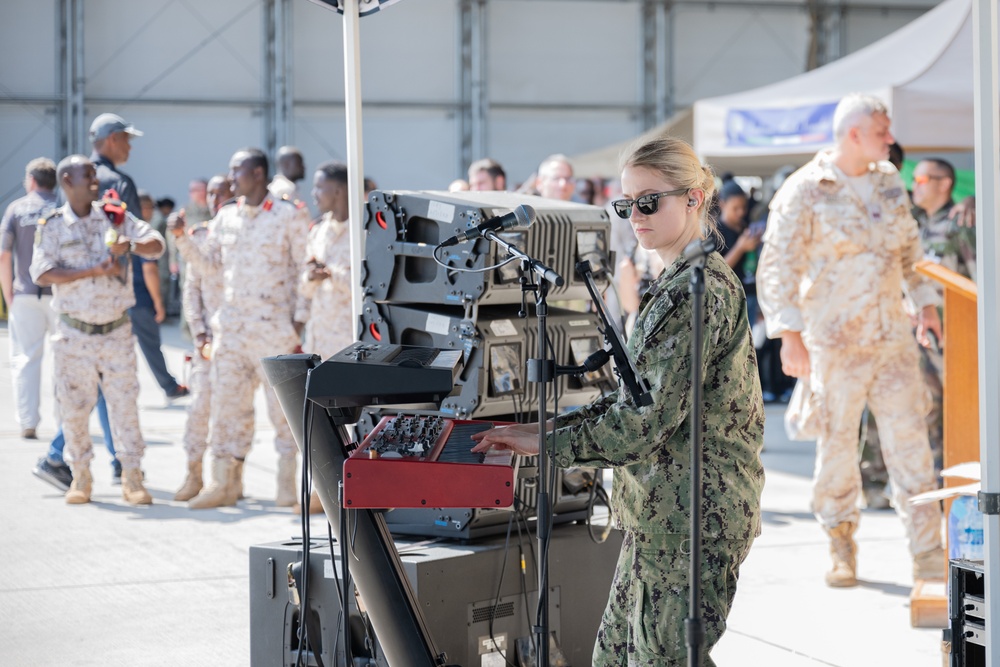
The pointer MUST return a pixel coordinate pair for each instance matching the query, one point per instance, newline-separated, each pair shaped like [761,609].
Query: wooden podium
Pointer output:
[928,600]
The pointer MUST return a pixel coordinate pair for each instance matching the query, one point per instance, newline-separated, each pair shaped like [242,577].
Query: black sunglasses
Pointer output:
[647,204]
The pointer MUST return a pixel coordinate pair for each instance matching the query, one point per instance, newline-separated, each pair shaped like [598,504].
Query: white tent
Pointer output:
[923,72]
[604,162]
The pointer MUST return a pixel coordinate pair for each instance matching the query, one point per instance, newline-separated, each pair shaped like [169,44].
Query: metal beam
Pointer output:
[464,80]
[480,97]
[649,73]
[72,138]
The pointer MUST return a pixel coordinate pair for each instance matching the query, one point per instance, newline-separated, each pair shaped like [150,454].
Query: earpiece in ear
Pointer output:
[692,202]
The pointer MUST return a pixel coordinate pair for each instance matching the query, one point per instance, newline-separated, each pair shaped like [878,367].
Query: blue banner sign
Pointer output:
[800,126]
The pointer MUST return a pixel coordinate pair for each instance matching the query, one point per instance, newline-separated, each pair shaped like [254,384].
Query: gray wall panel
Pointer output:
[866,26]
[168,66]
[555,51]
[405,149]
[520,140]
[725,50]
[408,53]
[27,131]
[29,35]
[173,48]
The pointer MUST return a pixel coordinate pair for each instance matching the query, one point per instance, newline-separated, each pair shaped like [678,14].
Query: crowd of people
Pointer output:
[820,282]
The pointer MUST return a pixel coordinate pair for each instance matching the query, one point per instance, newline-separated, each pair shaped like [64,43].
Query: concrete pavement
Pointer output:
[109,584]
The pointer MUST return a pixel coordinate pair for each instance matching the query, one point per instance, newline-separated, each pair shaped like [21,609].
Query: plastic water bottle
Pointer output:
[965,529]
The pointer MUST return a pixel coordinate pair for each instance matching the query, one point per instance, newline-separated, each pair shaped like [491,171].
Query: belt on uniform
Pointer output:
[88,328]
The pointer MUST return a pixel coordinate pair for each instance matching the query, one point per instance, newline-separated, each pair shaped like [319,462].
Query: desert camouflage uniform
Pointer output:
[82,360]
[260,251]
[202,292]
[329,329]
[834,268]
[649,447]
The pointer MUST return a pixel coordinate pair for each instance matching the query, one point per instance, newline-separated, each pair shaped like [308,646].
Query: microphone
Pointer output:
[522,216]
[699,248]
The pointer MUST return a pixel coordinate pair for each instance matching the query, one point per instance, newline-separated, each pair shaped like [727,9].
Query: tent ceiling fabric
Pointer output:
[604,162]
[922,71]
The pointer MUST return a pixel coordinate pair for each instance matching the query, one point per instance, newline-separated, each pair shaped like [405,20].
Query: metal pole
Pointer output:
[480,148]
[282,72]
[355,152]
[270,74]
[78,135]
[648,70]
[464,80]
[987,119]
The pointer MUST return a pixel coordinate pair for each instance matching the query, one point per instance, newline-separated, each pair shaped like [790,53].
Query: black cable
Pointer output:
[346,577]
[597,492]
[524,575]
[496,602]
[304,523]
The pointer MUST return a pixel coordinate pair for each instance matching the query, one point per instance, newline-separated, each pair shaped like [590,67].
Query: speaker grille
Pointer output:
[501,610]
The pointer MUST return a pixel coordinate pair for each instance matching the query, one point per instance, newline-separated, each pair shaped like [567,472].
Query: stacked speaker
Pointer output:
[465,297]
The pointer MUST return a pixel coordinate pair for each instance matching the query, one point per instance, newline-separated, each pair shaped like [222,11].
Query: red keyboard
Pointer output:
[425,461]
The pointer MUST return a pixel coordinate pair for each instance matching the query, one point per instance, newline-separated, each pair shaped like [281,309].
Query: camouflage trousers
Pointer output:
[643,623]
[200,409]
[81,362]
[236,372]
[873,470]
[887,378]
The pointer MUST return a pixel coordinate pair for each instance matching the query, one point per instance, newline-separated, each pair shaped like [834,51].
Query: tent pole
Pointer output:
[355,153]
[987,123]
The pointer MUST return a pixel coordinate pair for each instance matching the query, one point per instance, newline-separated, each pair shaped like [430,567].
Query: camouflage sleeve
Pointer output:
[140,232]
[918,289]
[204,257]
[192,303]
[965,242]
[46,253]
[307,288]
[784,261]
[584,412]
[622,433]
[297,236]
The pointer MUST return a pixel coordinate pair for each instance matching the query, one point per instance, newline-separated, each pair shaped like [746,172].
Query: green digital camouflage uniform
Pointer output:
[649,447]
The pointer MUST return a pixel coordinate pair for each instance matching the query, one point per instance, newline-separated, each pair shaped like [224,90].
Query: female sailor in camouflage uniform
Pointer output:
[649,447]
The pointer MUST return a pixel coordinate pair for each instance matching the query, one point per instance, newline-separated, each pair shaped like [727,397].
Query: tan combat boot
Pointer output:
[219,493]
[194,482]
[929,565]
[844,552]
[238,479]
[286,482]
[236,482]
[133,491]
[80,489]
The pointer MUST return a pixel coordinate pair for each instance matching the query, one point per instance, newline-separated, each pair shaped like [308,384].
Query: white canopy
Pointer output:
[923,72]
[604,162]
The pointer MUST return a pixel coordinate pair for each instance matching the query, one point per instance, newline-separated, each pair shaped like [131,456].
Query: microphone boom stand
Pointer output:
[696,253]
[542,371]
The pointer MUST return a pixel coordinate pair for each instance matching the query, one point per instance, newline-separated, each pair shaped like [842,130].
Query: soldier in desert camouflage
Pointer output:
[78,252]
[838,252]
[258,243]
[649,447]
[201,294]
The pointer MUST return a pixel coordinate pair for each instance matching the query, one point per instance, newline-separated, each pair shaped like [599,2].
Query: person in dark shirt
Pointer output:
[741,243]
[148,313]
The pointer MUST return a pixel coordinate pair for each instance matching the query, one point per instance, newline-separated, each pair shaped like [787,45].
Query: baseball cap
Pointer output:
[109,123]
